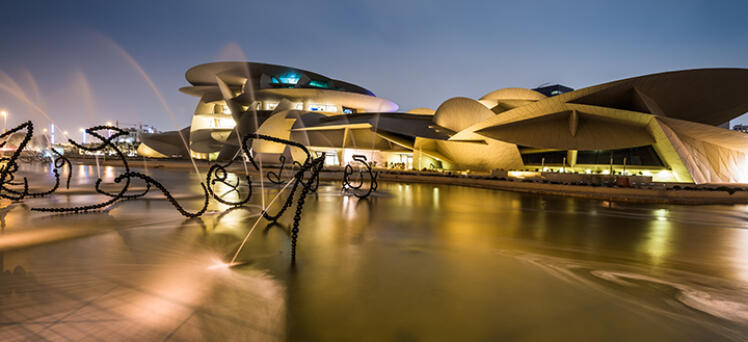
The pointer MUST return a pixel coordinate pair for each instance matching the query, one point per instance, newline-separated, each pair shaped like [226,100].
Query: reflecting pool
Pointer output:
[414,262]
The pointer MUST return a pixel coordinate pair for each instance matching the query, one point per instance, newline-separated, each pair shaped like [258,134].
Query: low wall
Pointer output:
[655,194]
[638,189]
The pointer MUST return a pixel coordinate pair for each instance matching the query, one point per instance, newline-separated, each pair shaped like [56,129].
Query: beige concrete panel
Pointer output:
[422,111]
[395,139]
[531,110]
[493,155]
[459,113]
[673,153]
[429,147]
[145,151]
[277,125]
[714,135]
[490,104]
[501,95]
[708,157]
[710,96]
[200,91]
[325,96]
[366,139]
[716,163]
[321,139]
[565,132]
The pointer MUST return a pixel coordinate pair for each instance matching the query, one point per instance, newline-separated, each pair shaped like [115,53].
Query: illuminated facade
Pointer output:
[663,125]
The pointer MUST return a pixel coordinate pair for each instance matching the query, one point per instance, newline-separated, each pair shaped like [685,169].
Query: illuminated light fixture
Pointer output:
[319,84]
[289,78]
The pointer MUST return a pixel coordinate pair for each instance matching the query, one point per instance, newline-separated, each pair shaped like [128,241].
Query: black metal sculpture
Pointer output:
[61,161]
[314,165]
[355,186]
[221,176]
[107,142]
[7,171]
[301,184]
[10,166]
[276,178]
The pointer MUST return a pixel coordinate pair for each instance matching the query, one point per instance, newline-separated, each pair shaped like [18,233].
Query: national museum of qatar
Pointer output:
[670,126]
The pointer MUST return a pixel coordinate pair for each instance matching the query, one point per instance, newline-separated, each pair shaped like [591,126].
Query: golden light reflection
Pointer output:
[659,235]
[435,197]
[109,173]
[82,171]
[740,257]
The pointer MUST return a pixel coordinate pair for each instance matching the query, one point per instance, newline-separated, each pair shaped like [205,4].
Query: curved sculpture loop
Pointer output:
[107,142]
[300,186]
[221,176]
[10,164]
[355,186]
[168,195]
[276,178]
[314,165]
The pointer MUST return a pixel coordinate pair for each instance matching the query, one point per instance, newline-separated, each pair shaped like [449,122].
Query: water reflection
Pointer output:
[483,265]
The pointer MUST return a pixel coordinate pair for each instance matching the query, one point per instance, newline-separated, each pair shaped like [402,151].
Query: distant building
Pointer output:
[740,128]
[553,90]
[663,125]
[135,133]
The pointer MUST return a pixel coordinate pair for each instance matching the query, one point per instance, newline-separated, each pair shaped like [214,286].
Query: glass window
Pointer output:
[644,156]
[552,157]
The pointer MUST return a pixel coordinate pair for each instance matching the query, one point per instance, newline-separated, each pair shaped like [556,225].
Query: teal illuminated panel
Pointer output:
[289,78]
[319,84]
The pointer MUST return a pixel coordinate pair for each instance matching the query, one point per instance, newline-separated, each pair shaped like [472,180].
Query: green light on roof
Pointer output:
[319,84]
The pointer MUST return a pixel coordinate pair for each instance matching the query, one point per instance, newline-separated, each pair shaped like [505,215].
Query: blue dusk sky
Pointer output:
[70,58]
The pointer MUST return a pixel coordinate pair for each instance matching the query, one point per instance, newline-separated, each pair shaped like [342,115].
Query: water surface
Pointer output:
[415,262]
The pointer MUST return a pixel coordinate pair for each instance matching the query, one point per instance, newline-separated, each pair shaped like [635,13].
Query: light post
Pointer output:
[83,135]
[108,131]
[5,120]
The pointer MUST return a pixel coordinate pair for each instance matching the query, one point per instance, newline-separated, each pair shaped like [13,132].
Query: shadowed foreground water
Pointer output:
[412,263]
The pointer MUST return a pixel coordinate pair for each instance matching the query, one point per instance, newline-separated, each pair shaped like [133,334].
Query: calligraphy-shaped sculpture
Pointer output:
[314,165]
[221,176]
[356,186]
[107,142]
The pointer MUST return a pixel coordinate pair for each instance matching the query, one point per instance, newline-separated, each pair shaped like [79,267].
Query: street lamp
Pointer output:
[108,131]
[5,120]
[83,135]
